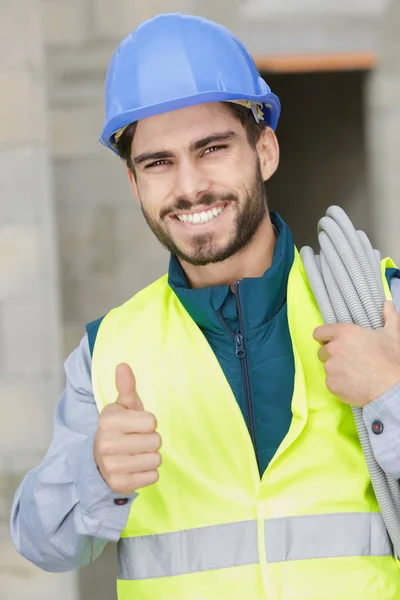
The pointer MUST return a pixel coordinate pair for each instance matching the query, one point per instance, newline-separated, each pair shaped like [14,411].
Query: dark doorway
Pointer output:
[323,150]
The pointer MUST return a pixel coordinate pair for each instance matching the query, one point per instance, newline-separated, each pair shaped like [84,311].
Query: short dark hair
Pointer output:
[241,113]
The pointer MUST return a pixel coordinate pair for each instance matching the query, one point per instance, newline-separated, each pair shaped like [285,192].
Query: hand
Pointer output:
[360,363]
[126,443]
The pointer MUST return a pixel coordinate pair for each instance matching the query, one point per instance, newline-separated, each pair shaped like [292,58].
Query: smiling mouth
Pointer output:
[204,216]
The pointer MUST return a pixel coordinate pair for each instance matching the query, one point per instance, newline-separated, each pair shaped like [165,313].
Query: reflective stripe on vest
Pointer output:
[235,544]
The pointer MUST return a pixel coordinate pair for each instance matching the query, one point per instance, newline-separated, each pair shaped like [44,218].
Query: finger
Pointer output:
[324,334]
[137,443]
[323,353]
[129,465]
[126,386]
[138,421]
[140,480]
[126,484]
[116,419]
[142,463]
[126,445]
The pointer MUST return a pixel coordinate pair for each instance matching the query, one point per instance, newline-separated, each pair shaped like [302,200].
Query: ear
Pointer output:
[133,184]
[268,153]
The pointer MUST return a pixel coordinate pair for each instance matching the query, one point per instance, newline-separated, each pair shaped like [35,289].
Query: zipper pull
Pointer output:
[239,344]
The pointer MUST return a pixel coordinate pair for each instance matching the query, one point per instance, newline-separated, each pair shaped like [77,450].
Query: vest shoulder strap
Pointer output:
[92,329]
[130,309]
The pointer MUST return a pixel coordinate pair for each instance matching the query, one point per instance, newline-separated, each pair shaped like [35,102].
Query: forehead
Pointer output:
[180,127]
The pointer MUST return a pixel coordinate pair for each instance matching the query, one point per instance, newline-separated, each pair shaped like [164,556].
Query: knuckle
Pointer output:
[108,443]
[136,482]
[119,484]
[120,488]
[149,422]
[112,481]
[328,368]
[152,477]
[157,459]
[144,479]
[333,348]
[106,420]
[346,330]
[104,423]
[113,466]
[152,421]
[108,466]
[331,385]
[105,446]
[109,409]
[157,440]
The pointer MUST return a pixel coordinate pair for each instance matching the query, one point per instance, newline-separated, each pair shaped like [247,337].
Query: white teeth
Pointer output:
[201,217]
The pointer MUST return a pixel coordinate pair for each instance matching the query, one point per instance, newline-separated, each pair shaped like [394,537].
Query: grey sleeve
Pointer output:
[63,512]
[386,409]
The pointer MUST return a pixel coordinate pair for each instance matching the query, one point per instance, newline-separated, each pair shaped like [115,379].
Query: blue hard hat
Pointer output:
[173,61]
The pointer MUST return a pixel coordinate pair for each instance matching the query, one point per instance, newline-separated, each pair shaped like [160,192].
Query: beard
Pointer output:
[203,248]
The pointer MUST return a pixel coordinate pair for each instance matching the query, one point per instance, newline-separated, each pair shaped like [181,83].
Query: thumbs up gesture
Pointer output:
[126,446]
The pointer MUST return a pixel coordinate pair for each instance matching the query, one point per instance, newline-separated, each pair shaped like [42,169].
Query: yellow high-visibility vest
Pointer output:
[310,529]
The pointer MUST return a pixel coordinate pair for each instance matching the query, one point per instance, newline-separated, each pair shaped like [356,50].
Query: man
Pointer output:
[198,426]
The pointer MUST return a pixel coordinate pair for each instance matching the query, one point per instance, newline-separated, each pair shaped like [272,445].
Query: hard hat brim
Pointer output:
[272,108]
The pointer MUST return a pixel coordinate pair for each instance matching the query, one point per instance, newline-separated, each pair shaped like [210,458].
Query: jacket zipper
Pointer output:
[240,351]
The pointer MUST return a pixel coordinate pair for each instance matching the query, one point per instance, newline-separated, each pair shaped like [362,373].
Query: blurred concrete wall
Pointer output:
[30,323]
[383,134]
[70,231]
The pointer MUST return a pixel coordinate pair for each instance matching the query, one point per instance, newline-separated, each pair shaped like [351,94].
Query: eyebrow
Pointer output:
[146,156]
[212,139]
[198,145]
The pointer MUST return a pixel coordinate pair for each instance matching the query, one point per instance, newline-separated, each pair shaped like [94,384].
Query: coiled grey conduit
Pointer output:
[346,281]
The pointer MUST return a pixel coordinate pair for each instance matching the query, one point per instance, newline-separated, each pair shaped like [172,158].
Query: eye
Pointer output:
[157,163]
[214,149]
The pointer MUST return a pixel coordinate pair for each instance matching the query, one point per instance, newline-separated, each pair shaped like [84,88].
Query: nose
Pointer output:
[191,182]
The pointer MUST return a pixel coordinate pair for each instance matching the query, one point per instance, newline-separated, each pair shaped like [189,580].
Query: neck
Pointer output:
[253,261]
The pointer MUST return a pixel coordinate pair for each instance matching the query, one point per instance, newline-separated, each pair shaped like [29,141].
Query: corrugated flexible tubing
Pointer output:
[346,281]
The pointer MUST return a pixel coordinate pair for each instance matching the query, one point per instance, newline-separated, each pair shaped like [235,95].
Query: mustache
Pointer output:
[207,200]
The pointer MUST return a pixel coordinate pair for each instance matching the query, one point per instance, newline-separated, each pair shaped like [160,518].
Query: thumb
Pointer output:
[126,386]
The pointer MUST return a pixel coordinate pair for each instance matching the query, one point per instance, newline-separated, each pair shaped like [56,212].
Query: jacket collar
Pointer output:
[261,297]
